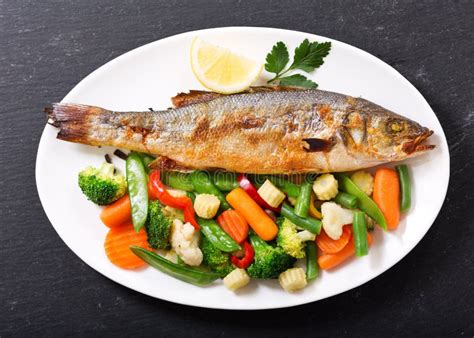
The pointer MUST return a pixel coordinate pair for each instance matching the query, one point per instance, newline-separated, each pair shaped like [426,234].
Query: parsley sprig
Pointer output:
[308,56]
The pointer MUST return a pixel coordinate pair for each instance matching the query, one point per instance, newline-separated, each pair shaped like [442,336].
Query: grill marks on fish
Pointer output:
[265,130]
[229,124]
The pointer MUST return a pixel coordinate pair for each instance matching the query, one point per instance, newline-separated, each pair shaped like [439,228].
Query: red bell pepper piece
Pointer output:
[250,189]
[157,191]
[245,261]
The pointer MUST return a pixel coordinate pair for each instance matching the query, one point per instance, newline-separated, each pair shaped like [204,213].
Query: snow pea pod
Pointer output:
[146,159]
[202,184]
[177,180]
[137,190]
[365,203]
[225,181]
[311,224]
[217,236]
[181,272]
[405,188]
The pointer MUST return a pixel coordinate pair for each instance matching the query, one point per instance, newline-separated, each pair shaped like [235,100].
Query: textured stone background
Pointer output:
[49,46]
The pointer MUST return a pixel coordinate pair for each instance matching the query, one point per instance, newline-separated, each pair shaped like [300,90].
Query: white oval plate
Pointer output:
[149,76]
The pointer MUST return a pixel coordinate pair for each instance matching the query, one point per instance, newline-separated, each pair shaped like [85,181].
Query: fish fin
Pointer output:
[200,96]
[73,120]
[193,97]
[317,144]
[168,164]
[267,89]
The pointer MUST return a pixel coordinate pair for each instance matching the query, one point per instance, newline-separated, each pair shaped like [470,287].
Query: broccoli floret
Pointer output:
[217,260]
[223,269]
[101,185]
[158,226]
[290,239]
[269,261]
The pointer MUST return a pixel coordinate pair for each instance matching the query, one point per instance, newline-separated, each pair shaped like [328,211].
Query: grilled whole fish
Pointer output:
[279,130]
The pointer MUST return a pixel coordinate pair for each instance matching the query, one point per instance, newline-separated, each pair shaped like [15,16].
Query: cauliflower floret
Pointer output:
[185,241]
[334,218]
[306,236]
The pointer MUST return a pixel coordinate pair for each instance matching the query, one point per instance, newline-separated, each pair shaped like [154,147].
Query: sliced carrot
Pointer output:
[329,261]
[234,224]
[117,213]
[387,195]
[258,220]
[331,246]
[118,241]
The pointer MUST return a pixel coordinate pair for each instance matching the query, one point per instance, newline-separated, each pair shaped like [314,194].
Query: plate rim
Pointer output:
[137,50]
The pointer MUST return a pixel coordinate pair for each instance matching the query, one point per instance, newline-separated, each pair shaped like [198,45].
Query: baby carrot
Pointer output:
[258,220]
[118,241]
[117,213]
[329,261]
[331,246]
[387,195]
[234,224]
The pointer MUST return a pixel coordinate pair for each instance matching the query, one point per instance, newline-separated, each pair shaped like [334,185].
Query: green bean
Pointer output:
[346,200]
[405,187]
[303,200]
[177,180]
[311,224]
[365,203]
[202,184]
[312,268]
[217,236]
[181,272]
[224,180]
[359,229]
[137,190]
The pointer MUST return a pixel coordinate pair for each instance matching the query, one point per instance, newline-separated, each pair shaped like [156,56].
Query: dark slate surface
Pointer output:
[47,48]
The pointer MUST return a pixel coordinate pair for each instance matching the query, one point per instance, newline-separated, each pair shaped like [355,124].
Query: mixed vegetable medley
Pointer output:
[202,226]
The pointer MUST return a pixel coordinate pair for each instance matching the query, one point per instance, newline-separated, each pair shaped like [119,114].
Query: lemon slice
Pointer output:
[221,70]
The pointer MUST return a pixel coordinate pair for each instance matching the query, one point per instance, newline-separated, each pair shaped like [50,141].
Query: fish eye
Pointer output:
[394,126]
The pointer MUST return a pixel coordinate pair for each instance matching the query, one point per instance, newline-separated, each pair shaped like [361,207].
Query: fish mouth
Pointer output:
[417,144]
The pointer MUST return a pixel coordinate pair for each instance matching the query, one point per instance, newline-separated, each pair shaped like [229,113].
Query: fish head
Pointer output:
[394,137]
[376,133]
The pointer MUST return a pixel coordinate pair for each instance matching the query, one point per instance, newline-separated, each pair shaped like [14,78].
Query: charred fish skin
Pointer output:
[261,131]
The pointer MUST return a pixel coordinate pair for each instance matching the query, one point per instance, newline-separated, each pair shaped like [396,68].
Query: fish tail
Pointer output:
[76,122]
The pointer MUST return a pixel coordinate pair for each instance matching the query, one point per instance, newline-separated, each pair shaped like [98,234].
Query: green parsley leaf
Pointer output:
[277,59]
[297,80]
[309,56]
[300,52]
